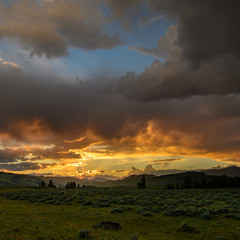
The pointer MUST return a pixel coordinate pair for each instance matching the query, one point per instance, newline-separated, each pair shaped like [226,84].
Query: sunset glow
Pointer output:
[113,88]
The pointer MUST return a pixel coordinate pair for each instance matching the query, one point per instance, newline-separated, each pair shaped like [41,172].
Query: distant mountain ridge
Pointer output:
[232,171]
[11,179]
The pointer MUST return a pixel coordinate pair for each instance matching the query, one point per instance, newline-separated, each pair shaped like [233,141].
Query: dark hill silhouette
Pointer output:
[232,171]
[10,179]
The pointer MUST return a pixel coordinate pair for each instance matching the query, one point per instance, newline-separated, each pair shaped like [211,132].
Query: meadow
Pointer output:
[143,214]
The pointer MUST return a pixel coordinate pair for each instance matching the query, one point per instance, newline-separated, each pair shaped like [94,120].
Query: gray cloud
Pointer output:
[206,29]
[24,166]
[166,45]
[49,28]
[165,161]
[124,11]
[176,79]
[149,169]
[10,155]
[37,110]
[190,104]
[200,50]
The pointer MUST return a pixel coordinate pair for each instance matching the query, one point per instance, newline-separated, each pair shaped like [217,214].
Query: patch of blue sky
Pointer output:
[8,2]
[116,61]
[120,59]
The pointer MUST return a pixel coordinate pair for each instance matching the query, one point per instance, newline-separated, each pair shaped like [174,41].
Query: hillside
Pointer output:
[10,179]
[62,181]
[232,171]
[152,180]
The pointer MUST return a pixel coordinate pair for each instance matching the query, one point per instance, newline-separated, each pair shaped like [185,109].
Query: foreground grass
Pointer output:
[23,220]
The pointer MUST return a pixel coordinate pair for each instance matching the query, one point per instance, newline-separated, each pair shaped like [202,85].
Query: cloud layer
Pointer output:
[49,28]
[187,104]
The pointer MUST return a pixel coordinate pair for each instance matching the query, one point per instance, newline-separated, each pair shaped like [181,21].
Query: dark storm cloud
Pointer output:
[188,105]
[207,29]
[25,166]
[123,10]
[175,79]
[201,52]
[9,155]
[49,111]
[49,28]
[160,161]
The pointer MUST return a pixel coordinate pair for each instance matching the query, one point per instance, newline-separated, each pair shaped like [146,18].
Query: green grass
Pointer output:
[24,220]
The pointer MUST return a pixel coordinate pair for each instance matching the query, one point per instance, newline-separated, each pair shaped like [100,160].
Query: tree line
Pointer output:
[51,184]
[216,182]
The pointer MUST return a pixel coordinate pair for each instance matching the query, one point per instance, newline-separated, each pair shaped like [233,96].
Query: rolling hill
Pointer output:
[10,179]
[232,171]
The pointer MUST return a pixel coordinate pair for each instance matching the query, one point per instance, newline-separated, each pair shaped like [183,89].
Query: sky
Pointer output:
[112,88]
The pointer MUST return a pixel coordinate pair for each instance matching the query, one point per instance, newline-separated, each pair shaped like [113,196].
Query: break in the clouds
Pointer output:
[185,104]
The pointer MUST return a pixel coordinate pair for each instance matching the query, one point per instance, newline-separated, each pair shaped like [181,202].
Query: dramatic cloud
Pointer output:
[122,11]
[10,155]
[149,169]
[25,166]
[201,53]
[164,162]
[166,45]
[206,29]
[47,112]
[187,103]
[50,28]
[175,79]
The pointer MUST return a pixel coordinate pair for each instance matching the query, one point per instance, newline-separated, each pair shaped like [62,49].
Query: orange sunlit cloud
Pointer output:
[76,97]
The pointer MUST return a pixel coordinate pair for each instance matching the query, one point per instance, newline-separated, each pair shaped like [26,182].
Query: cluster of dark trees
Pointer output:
[72,185]
[142,183]
[216,182]
[50,184]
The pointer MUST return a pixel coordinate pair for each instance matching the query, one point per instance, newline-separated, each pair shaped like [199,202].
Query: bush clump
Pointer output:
[84,234]
[183,227]
[222,238]
[206,216]
[116,210]
[145,213]
[134,237]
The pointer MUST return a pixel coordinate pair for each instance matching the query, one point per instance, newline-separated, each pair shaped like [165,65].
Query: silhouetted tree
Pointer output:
[216,182]
[42,184]
[50,184]
[70,185]
[142,184]
[187,183]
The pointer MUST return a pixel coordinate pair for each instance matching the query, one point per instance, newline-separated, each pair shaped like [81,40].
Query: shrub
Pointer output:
[40,238]
[84,234]
[183,227]
[222,238]
[134,237]
[146,213]
[206,216]
[116,210]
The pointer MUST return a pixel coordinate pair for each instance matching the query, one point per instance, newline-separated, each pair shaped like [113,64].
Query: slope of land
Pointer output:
[10,179]
[232,171]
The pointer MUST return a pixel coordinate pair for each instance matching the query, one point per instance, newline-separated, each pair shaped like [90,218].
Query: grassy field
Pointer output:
[143,214]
